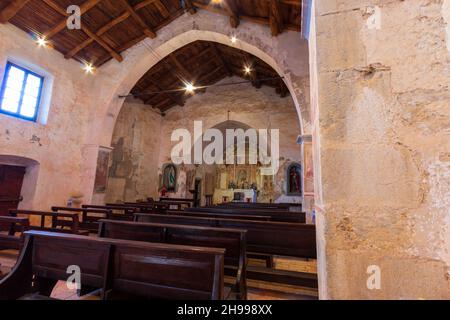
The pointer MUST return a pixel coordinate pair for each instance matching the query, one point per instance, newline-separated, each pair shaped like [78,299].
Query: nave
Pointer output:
[146,240]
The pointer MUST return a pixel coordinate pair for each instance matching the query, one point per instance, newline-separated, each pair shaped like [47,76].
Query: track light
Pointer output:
[190,88]
[89,68]
[41,41]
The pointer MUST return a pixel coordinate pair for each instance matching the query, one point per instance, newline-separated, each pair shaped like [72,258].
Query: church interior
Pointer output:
[224,150]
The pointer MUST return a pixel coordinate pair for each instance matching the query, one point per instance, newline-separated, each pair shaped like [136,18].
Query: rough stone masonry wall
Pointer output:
[57,145]
[133,173]
[382,118]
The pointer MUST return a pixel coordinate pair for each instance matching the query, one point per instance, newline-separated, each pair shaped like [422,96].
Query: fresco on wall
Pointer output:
[308,169]
[101,175]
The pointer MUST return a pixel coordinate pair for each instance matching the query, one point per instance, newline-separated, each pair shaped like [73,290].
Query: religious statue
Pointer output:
[294,179]
[170,178]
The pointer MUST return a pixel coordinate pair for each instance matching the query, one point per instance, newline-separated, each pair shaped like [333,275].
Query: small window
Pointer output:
[21,92]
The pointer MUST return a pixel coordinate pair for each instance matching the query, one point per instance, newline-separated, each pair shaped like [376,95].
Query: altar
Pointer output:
[236,195]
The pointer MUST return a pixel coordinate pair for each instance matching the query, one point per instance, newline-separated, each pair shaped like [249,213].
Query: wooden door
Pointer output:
[11,180]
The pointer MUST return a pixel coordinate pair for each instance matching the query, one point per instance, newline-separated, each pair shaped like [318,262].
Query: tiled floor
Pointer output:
[257,290]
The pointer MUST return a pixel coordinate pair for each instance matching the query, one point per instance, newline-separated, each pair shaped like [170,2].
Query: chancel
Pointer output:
[224,150]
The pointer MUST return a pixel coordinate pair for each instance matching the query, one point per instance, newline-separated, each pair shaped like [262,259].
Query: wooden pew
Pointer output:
[285,206]
[218,215]
[60,222]
[139,207]
[263,238]
[126,213]
[296,217]
[232,240]
[10,240]
[89,217]
[121,268]
[187,202]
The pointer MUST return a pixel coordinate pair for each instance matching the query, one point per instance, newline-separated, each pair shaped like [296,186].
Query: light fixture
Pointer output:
[233,39]
[190,88]
[247,69]
[41,41]
[216,1]
[89,68]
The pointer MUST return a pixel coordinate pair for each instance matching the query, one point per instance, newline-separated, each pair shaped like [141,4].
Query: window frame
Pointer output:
[27,72]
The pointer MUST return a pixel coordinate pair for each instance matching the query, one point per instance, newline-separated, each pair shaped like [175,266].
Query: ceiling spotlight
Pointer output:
[247,70]
[89,68]
[190,88]
[216,1]
[41,41]
[233,39]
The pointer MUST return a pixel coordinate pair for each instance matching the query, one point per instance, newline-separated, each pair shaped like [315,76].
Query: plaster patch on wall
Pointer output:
[446,16]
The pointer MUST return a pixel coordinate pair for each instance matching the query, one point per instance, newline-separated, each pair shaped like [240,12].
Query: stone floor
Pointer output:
[257,290]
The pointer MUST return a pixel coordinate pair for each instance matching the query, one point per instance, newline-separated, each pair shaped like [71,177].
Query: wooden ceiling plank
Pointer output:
[186,74]
[170,95]
[99,33]
[148,31]
[101,42]
[11,10]
[162,8]
[219,56]
[258,20]
[276,19]
[231,9]
[85,7]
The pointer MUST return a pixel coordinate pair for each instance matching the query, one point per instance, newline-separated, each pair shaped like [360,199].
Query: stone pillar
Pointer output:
[380,117]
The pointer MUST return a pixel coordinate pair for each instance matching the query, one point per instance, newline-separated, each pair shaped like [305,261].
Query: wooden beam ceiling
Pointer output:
[85,7]
[207,64]
[145,27]
[110,27]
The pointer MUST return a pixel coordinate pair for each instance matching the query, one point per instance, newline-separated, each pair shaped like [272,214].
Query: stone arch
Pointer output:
[207,27]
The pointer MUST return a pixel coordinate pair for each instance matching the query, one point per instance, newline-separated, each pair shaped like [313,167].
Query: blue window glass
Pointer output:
[21,92]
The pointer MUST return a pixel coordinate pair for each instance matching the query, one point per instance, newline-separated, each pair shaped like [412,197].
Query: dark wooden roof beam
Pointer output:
[147,30]
[219,56]
[276,19]
[85,7]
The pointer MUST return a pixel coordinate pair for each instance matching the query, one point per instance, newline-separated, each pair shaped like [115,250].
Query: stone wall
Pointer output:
[133,173]
[381,122]
[56,145]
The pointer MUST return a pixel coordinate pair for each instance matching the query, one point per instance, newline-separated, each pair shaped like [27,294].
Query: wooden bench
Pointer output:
[10,240]
[187,202]
[141,207]
[121,268]
[218,215]
[263,239]
[280,216]
[89,217]
[232,240]
[60,222]
[124,213]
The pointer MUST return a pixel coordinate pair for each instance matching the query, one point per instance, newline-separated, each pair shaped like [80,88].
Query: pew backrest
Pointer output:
[67,222]
[272,215]
[232,240]
[89,217]
[267,237]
